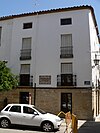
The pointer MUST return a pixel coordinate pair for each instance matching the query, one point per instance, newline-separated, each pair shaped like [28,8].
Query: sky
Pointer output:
[13,7]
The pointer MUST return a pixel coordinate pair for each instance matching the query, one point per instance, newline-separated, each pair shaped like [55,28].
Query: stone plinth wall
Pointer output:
[49,99]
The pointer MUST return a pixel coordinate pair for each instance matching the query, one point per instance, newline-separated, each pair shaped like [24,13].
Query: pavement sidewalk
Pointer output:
[85,126]
[82,122]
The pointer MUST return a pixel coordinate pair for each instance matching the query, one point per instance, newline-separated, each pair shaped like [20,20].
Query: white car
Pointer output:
[25,114]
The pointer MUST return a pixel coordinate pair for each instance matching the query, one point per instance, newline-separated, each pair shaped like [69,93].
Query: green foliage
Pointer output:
[8,80]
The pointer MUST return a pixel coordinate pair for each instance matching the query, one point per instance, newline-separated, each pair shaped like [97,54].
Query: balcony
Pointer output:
[66,52]
[66,80]
[26,80]
[25,54]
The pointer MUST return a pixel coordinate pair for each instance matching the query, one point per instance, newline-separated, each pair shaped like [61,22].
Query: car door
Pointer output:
[15,114]
[30,117]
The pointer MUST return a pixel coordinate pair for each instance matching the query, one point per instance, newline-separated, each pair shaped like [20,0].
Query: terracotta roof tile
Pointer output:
[47,11]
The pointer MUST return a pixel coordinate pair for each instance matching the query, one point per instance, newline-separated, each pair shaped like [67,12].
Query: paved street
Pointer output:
[62,129]
[29,130]
[83,127]
[90,127]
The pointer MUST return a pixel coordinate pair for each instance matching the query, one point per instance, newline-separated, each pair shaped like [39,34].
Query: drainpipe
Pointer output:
[34,93]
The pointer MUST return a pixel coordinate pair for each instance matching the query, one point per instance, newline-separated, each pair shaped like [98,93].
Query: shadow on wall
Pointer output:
[5,102]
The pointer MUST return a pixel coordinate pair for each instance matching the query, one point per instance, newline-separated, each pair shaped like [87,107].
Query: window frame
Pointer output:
[28,25]
[66,21]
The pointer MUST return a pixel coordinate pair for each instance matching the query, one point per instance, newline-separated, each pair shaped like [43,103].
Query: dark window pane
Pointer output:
[66,21]
[6,109]
[28,110]
[16,109]
[86,82]
[24,97]
[66,102]
[27,25]
[24,80]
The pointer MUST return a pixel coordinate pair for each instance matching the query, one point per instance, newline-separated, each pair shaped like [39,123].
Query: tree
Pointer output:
[8,80]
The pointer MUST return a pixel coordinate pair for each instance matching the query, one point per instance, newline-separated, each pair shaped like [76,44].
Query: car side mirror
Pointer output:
[35,113]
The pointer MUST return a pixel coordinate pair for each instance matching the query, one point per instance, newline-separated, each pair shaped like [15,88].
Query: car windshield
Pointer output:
[39,110]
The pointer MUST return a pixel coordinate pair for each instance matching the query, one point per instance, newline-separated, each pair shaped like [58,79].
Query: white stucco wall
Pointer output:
[94,50]
[6,39]
[46,43]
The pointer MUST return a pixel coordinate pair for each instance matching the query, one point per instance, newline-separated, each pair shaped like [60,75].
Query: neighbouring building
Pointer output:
[53,52]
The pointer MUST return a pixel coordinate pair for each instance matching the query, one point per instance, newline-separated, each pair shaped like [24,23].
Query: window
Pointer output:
[66,78]
[0,35]
[66,102]
[25,69]
[66,21]
[6,109]
[26,43]
[66,46]
[66,74]
[25,75]
[26,49]
[66,40]
[86,82]
[27,25]
[15,109]
[66,68]
[24,97]
[28,110]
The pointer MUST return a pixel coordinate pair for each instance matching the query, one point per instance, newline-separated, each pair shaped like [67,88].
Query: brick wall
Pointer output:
[49,99]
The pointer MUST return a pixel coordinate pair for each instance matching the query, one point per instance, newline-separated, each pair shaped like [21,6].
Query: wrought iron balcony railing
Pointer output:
[25,54]
[66,80]
[66,52]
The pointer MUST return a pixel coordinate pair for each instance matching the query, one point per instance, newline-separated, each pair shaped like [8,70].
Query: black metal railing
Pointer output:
[66,52]
[25,54]
[66,80]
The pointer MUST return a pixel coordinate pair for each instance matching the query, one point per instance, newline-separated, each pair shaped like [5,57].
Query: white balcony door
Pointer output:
[66,68]
[26,43]
[66,74]
[25,75]
[66,40]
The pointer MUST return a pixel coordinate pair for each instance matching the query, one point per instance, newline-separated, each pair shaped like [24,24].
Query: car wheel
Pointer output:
[47,126]
[4,123]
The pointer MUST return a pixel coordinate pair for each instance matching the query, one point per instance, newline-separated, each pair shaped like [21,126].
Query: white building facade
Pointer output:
[53,49]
